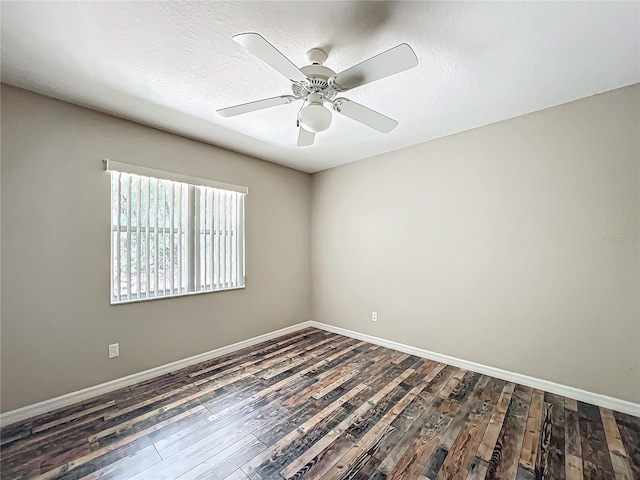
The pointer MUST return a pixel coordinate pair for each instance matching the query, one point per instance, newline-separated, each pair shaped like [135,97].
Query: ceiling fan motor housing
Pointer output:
[318,76]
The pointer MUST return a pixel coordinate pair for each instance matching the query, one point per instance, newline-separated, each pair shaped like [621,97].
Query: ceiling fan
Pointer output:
[316,85]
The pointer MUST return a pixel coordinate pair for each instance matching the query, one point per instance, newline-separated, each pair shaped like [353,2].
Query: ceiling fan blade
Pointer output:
[393,61]
[305,138]
[364,115]
[257,105]
[266,52]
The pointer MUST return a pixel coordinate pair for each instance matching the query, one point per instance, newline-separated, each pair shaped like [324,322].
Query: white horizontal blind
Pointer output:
[171,238]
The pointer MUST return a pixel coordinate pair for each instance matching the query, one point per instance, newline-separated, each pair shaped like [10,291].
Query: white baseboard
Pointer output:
[45,406]
[552,387]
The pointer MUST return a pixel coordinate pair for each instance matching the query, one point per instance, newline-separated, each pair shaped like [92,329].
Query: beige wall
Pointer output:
[490,245]
[56,317]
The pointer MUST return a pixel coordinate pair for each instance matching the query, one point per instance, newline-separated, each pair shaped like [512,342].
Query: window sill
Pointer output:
[165,297]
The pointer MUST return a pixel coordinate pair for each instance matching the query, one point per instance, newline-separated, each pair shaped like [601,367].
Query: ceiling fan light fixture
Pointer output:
[315,118]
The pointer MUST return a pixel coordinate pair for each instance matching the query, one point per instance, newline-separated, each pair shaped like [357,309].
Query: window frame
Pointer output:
[195,237]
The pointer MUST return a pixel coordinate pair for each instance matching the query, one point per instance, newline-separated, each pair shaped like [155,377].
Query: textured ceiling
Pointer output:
[172,64]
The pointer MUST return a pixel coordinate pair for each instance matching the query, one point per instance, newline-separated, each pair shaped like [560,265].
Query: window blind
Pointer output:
[173,238]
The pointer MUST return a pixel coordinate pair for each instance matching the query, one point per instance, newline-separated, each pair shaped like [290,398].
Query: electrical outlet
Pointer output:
[114,350]
[374,316]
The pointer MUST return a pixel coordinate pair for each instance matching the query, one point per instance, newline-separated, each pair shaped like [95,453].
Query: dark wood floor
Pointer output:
[316,405]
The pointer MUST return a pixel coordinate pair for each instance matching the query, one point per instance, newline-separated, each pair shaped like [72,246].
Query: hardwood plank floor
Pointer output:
[316,405]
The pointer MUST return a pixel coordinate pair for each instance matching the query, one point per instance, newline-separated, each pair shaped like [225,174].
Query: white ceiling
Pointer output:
[172,64]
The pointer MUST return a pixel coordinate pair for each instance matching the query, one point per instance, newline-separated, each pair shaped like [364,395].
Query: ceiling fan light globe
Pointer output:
[315,118]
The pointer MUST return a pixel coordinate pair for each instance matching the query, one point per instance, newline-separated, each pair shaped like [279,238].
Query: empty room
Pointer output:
[320,240]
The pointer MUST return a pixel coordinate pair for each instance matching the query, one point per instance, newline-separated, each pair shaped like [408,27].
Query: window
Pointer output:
[173,235]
